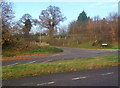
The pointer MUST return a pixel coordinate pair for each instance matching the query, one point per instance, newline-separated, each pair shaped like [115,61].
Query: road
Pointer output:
[97,77]
[69,53]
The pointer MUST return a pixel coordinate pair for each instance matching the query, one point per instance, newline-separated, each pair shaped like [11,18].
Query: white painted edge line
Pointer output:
[108,73]
[45,83]
[79,78]
[12,64]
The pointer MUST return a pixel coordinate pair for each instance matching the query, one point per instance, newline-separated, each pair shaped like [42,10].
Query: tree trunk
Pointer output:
[51,31]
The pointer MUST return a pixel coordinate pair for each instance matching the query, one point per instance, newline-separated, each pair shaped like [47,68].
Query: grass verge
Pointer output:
[88,45]
[42,50]
[58,66]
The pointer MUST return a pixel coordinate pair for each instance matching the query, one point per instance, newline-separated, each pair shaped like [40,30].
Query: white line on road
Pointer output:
[78,78]
[45,83]
[41,84]
[30,62]
[12,64]
[46,61]
[51,82]
[108,73]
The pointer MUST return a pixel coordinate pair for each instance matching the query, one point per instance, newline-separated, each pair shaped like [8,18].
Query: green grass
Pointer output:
[58,66]
[42,50]
[47,49]
[88,45]
[9,55]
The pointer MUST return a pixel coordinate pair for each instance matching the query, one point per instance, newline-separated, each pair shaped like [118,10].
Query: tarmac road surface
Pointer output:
[69,53]
[96,77]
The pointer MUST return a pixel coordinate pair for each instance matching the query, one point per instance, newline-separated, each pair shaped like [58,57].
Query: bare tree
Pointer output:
[7,15]
[96,18]
[50,18]
[113,24]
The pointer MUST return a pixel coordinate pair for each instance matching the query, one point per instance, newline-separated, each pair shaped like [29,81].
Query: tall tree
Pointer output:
[50,18]
[73,27]
[113,24]
[7,15]
[82,18]
[27,21]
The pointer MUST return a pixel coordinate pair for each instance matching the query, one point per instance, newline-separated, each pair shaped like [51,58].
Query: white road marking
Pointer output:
[78,78]
[30,62]
[41,84]
[45,83]
[51,82]
[46,61]
[108,73]
[12,64]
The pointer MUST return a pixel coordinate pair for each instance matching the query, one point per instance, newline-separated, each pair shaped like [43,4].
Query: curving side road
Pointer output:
[69,53]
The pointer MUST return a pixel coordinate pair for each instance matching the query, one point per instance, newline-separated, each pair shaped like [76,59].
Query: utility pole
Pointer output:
[40,34]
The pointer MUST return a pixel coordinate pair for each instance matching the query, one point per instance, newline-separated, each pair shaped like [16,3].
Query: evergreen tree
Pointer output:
[82,18]
[27,21]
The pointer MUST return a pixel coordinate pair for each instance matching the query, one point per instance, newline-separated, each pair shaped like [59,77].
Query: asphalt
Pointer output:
[96,77]
[69,53]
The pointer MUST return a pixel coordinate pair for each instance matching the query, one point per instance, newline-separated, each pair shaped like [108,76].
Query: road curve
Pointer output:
[69,53]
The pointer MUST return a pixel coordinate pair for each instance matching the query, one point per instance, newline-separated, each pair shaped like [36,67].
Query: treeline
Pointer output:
[104,30]
[85,29]
[86,32]
[18,32]
[15,34]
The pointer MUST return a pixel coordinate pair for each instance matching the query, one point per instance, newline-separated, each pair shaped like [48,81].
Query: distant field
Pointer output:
[58,66]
